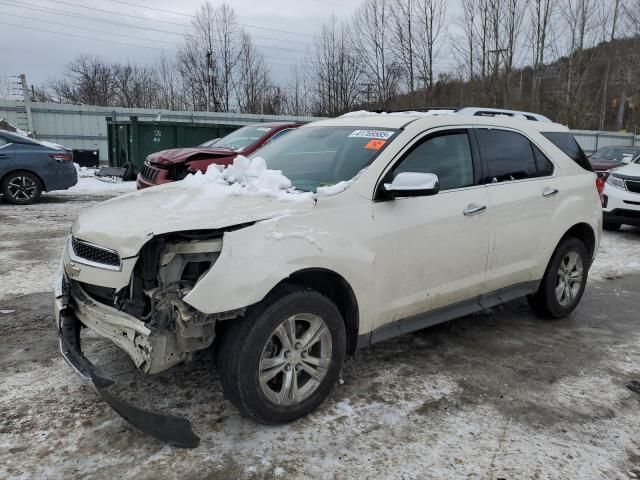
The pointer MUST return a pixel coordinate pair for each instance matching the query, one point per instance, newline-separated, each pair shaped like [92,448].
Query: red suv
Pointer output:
[175,164]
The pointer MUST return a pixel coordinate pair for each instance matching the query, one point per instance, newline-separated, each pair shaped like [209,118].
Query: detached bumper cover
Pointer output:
[170,429]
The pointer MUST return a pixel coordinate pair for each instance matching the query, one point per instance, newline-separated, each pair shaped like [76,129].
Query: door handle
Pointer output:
[550,192]
[474,209]
[3,155]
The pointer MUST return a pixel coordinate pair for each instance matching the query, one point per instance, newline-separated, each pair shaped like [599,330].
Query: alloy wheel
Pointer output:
[22,188]
[295,359]
[569,279]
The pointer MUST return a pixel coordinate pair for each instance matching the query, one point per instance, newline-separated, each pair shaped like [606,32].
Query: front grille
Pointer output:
[149,173]
[633,186]
[93,253]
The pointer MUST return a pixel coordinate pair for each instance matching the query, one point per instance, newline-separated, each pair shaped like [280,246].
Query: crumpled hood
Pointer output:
[127,222]
[631,170]
[180,155]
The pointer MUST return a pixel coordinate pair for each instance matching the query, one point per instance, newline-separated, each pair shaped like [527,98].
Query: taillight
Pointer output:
[61,157]
[600,181]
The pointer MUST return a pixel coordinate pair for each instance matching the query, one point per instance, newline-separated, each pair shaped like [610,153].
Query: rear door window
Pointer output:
[565,142]
[510,156]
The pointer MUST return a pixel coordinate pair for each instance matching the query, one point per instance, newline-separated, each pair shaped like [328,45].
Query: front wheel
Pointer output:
[281,360]
[564,281]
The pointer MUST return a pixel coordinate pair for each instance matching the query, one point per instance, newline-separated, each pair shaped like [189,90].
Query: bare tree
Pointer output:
[464,49]
[510,45]
[297,95]
[169,87]
[632,14]
[229,37]
[541,13]
[252,78]
[430,15]
[336,78]
[88,80]
[404,40]
[372,24]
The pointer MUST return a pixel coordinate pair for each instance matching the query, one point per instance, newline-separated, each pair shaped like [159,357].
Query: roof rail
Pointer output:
[419,109]
[472,111]
[492,112]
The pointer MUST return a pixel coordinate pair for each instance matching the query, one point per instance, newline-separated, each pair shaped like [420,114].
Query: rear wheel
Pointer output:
[21,187]
[281,360]
[564,281]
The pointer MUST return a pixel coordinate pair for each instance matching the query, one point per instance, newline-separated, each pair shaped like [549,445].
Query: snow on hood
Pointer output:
[631,170]
[243,192]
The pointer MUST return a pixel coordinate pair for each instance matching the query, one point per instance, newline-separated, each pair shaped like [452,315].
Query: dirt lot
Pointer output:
[496,395]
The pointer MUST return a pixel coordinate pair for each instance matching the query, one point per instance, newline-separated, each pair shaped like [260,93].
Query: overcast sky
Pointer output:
[29,45]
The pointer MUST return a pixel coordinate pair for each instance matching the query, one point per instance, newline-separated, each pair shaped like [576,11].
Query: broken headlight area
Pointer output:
[178,171]
[149,318]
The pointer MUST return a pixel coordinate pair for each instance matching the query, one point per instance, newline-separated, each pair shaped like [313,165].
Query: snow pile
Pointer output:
[336,188]
[84,172]
[246,177]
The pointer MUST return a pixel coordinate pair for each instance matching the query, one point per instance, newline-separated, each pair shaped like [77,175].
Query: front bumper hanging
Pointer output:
[170,429]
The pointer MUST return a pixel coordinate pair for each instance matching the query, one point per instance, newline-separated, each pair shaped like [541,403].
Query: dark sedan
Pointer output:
[29,167]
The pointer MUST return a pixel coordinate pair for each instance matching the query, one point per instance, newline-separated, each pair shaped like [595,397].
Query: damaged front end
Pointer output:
[146,317]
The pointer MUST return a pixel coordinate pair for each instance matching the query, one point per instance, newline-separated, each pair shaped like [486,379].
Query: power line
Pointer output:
[90,29]
[84,37]
[33,6]
[266,57]
[173,12]
[325,2]
[141,38]
[176,13]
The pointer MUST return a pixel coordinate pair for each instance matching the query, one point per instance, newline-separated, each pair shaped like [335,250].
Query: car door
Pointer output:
[523,193]
[6,155]
[431,251]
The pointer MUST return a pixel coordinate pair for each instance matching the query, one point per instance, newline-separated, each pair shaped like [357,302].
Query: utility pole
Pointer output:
[620,116]
[209,77]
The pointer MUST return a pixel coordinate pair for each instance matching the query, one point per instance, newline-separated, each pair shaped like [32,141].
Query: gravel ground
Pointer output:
[496,395]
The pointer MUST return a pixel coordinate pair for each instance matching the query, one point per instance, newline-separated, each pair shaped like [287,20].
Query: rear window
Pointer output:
[565,142]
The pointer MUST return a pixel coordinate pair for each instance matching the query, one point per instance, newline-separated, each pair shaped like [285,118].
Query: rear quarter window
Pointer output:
[565,142]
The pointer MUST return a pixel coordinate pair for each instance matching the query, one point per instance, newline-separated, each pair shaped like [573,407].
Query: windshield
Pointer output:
[615,154]
[243,137]
[209,143]
[313,157]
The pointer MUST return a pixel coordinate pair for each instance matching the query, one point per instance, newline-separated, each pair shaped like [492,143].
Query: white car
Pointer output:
[621,198]
[346,232]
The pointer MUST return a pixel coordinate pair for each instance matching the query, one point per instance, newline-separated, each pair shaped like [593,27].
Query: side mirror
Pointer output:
[412,184]
[627,159]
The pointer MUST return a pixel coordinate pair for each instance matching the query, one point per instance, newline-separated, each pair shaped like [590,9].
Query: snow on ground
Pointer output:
[88,183]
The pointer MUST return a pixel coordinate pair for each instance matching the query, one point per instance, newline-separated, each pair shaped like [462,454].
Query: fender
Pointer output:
[248,269]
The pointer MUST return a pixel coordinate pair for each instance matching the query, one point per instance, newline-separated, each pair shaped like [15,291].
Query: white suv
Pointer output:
[621,198]
[344,233]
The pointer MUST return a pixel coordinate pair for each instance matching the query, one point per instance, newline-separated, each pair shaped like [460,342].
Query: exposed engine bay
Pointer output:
[149,318]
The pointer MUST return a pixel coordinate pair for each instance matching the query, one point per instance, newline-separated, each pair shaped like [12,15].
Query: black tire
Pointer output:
[611,226]
[246,338]
[21,187]
[545,302]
